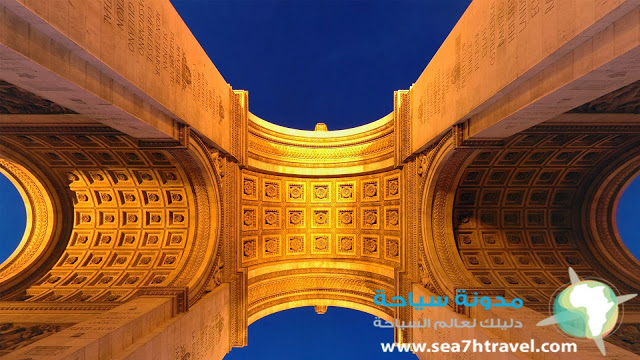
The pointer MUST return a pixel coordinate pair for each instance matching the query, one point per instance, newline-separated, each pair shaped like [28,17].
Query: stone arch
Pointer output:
[439,168]
[48,225]
[308,284]
[320,219]
[319,241]
[601,234]
[203,166]
[517,218]
[143,216]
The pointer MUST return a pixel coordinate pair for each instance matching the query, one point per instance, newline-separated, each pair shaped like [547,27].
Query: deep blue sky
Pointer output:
[305,62]
[300,333]
[331,61]
[13,217]
[628,217]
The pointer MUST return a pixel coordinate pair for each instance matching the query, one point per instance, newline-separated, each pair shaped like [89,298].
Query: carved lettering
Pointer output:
[131,26]
[120,14]
[16,336]
[172,59]
[476,48]
[548,6]
[456,67]
[501,22]
[108,11]
[492,33]
[158,38]
[141,27]
[150,27]
[485,42]
[535,8]
[463,66]
[522,15]
[203,340]
[511,20]
[165,51]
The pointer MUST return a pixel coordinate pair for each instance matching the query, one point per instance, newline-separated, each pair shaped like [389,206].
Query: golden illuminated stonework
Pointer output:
[158,202]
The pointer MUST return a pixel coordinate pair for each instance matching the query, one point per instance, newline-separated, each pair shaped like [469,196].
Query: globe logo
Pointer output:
[586,309]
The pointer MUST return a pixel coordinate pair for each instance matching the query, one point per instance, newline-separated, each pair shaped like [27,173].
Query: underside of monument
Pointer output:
[161,210]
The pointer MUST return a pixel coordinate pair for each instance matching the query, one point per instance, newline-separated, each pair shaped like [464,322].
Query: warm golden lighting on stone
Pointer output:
[158,202]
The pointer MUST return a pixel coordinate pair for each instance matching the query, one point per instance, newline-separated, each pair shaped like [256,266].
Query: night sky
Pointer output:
[13,217]
[304,62]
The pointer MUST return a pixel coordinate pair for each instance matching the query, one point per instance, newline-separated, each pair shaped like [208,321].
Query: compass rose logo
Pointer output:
[586,309]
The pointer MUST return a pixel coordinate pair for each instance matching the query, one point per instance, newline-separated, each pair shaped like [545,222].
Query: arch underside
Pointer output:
[521,212]
[320,218]
[141,217]
[321,241]
[279,287]
[364,149]
[43,223]
[500,217]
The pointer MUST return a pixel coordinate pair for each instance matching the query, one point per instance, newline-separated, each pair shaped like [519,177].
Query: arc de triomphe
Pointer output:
[164,217]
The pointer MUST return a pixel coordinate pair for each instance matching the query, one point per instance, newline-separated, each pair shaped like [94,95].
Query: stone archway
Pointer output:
[141,217]
[47,222]
[316,231]
[514,213]
[188,217]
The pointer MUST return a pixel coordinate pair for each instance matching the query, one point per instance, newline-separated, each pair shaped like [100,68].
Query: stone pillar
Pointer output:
[201,333]
[144,328]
